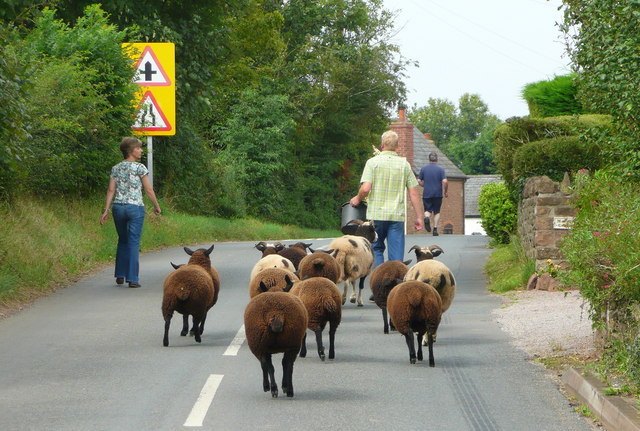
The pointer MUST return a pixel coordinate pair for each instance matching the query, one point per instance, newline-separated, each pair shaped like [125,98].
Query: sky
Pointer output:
[488,47]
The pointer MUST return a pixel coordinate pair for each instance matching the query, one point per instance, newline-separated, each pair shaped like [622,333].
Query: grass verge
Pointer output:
[46,243]
[508,267]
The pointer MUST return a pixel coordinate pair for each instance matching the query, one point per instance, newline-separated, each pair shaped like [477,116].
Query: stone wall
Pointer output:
[544,218]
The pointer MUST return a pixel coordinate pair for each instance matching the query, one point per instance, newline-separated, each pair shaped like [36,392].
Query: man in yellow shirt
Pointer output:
[384,182]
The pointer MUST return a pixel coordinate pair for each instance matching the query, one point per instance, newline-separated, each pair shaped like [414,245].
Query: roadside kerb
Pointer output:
[615,413]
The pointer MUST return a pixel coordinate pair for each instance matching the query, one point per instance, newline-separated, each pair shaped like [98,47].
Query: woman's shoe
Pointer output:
[134,284]
[120,280]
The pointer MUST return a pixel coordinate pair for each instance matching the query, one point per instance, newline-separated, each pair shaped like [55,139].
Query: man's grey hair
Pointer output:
[390,140]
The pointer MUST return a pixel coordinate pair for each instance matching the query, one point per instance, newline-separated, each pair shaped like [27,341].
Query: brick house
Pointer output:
[415,147]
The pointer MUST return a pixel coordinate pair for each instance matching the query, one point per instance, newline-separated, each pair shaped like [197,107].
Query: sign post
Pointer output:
[155,74]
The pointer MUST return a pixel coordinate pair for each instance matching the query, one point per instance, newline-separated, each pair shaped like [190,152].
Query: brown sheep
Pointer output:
[272,280]
[415,306]
[275,322]
[384,278]
[189,291]
[295,253]
[322,299]
[201,257]
[320,263]
[424,253]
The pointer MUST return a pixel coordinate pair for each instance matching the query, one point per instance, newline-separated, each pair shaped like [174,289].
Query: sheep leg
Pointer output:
[385,320]
[268,377]
[425,342]
[332,339]
[360,291]
[412,348]
[185,325]
[303,348]
[345,289]
[167,323]
[202,324]
[319,343]
[419,341]
[196,328]
[431,338]
[287,372]
[352,298]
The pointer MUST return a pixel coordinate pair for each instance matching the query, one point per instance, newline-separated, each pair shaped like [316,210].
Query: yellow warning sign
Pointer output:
[156,100]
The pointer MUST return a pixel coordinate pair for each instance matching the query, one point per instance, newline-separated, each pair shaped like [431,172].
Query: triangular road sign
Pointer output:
[149,116]
[149,71]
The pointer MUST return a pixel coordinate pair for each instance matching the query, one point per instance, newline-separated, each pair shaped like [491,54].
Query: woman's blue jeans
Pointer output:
[393,233]
[128,219]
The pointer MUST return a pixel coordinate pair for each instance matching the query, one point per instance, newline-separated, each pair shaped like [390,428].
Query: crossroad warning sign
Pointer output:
[156,100]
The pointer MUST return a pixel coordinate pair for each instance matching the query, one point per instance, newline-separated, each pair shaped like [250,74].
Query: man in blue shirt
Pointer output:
[434,180]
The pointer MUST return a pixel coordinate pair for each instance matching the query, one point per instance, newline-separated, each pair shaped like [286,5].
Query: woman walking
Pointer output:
[127,180]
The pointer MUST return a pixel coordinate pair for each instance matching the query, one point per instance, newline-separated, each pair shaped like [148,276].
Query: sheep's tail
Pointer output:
[329,305]
[318,264]
[276,325]
[183,293]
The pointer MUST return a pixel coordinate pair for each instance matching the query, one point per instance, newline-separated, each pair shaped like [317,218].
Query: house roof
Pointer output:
[421,149]
[472,188]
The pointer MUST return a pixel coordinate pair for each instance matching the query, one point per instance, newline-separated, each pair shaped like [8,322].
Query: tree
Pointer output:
[439,118]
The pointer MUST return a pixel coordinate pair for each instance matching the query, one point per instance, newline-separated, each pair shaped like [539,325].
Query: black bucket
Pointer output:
[349,213]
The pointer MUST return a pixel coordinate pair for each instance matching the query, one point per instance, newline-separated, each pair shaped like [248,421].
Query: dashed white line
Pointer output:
[200,408]
[236,343]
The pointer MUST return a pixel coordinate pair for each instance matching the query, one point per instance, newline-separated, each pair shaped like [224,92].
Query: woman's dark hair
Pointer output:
[128,144]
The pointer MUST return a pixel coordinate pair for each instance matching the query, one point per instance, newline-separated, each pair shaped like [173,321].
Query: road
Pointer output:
[90,357]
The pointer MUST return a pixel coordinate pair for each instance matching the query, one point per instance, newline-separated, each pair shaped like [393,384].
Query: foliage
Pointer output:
[47,243]
[464,133]
[603,252]
[516,132]
[552,98]
[498,213]
[508,267]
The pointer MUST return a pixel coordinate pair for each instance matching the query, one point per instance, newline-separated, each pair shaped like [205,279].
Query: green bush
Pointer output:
[555,156]
[551,98]
[498,212]
[516,132]
[603,251]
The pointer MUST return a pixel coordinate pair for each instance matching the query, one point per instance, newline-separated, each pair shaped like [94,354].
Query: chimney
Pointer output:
[427,136]
[402,112]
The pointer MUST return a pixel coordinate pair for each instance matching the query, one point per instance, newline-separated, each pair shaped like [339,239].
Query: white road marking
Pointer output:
[200,408]
[236,343]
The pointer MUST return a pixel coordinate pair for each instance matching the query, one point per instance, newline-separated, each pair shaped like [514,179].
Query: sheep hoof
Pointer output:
[183,333]
[322,357]
[412,360]
[360,304]
[386,331]
[274,393]
[352,300]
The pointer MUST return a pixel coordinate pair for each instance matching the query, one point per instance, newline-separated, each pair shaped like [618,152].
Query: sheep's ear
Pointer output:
[415,247]
[279,246]
[188,251]
[175,266]
[209,250]
[407,262]
[311,250]
[261,246]
[263,287]
[435,250]
[289,282]
[334,253]
[307,245]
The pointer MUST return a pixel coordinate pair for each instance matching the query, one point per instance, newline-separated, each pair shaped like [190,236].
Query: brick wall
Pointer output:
[541,215]
[405,139]
[452,211]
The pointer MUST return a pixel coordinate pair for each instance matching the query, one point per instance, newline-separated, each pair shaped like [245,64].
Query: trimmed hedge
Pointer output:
[498,213]
[551,98]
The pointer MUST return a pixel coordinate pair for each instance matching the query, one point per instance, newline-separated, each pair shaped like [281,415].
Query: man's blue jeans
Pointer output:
[128,219]
[393,233]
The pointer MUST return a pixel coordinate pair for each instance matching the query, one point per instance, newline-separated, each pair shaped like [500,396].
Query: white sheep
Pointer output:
[424,253]
[415,307]
[271,261]
[354,255]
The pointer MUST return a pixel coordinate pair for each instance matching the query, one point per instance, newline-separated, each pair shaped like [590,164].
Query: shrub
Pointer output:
[603,251]
[499,214]
[551,98]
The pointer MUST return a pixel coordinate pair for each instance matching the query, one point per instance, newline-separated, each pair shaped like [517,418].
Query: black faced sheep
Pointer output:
[271,261]
[273,280]
[268,248]
[424,253]
[355,258]
[320,263]
[189,291]
[415,306]
[275,322]
[384,278]
[322,299]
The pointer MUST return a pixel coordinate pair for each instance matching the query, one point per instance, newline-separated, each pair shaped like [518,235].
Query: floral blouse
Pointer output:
[128,178]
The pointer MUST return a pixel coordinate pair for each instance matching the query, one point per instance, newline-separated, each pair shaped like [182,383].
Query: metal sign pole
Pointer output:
[150,158]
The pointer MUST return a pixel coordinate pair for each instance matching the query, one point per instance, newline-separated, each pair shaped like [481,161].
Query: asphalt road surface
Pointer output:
[90,357]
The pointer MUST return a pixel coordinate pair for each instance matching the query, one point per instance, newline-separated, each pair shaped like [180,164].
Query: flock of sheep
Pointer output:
[295,288]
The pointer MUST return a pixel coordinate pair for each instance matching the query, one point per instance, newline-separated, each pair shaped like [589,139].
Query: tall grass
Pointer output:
[508,267]
[47,242]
